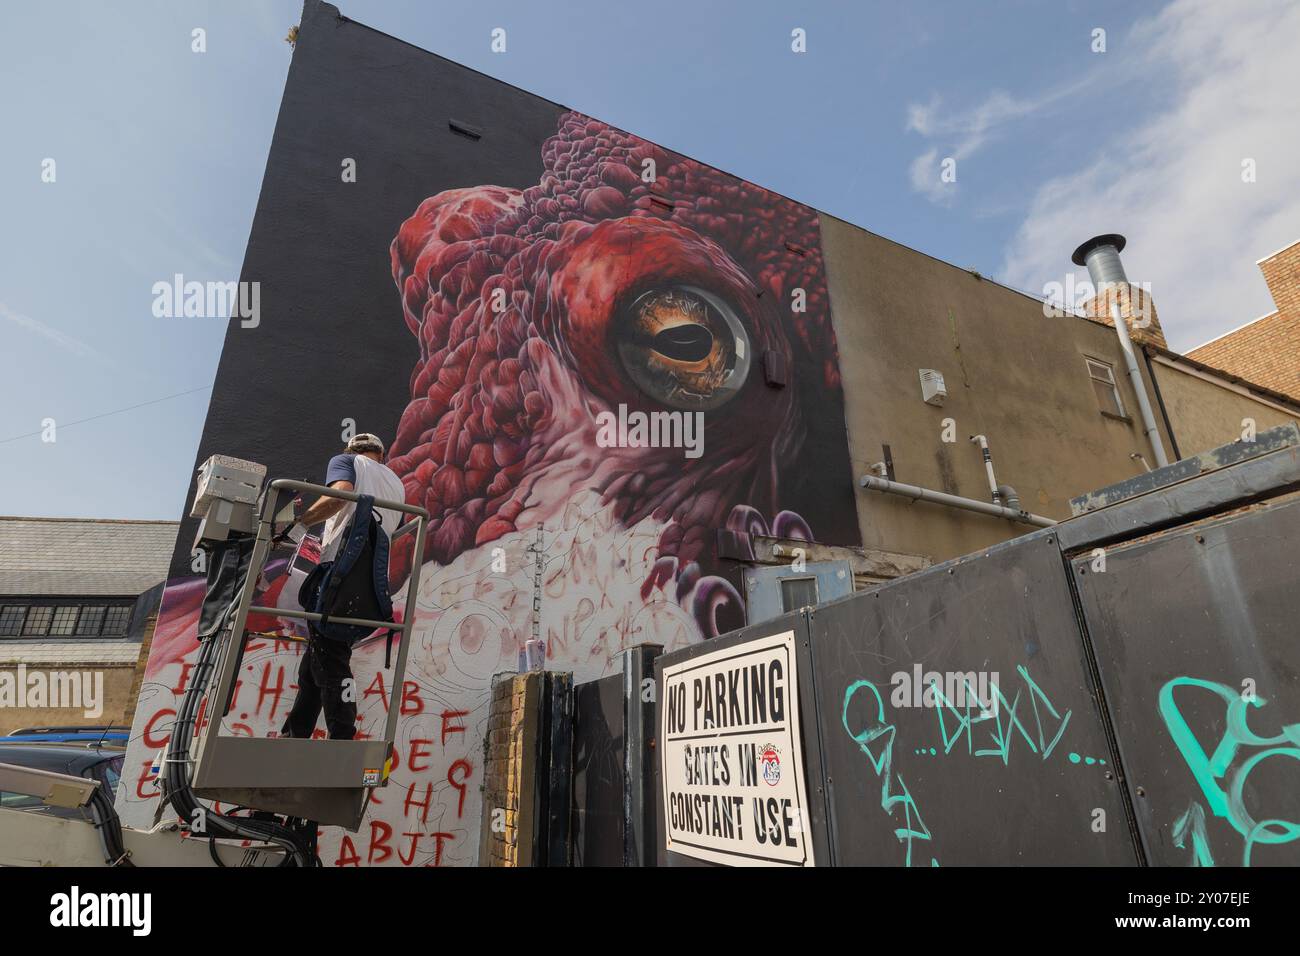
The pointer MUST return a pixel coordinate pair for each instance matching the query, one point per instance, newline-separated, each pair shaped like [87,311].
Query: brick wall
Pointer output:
[137,677]
[509,776]
[1267,351]
[1135,305]
[103,678]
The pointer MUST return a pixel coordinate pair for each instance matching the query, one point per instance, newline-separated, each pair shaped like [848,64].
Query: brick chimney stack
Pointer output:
[1101,255]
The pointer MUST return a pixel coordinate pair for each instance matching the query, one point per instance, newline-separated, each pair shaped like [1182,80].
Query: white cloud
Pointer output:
[924,174]
[960,134]
[1172,181]
[921,119]
[61,339]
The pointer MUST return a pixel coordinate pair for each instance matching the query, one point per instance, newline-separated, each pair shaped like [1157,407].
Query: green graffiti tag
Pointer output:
[1089,761]
[1212,771]
[876,740]
[1001,736]
[883,764]
[1193,822]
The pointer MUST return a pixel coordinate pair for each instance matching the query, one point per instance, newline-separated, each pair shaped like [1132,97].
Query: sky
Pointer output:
[1178,125]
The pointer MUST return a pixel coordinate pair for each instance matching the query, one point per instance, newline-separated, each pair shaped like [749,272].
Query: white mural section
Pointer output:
[473,619]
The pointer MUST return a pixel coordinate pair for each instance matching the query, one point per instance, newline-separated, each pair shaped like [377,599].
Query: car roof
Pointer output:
[103,737]
[73,729]
[69,760]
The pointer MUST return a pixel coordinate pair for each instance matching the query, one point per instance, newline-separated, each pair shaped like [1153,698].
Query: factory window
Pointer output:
[116,619]
[92,616]
[66,618]
[1103,384]
[64,621]
[38,619]
[11,618]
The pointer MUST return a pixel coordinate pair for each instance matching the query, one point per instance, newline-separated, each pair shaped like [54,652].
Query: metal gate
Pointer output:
[1197,634]
[959,721]
[1120,689]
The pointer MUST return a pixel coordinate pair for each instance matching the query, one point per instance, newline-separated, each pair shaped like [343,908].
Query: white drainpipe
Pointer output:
[873,483]
[988,466]
[1144,406]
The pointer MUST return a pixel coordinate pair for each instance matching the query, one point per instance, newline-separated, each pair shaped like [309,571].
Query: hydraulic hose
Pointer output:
[176,773]
[109,827]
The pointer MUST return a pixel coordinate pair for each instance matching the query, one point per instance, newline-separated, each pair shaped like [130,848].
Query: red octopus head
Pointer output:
[630,277]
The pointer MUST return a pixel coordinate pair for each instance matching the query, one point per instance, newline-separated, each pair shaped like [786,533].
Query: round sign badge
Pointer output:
[771,765]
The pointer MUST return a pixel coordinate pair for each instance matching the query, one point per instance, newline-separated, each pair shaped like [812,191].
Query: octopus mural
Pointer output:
[627,280]
[628,276]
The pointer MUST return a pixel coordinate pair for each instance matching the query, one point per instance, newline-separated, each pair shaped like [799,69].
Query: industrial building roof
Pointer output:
[83,556]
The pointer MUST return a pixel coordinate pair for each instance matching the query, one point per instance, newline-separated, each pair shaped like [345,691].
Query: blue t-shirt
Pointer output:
[341,468]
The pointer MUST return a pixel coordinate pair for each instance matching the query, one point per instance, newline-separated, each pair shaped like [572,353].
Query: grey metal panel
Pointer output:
[968,783]
[1238,484]
[1181,621]
[763,586]
[232,761]
[53,789]
[797,622]
[268,774]
[1137,485]
[1267,441]
[598,719]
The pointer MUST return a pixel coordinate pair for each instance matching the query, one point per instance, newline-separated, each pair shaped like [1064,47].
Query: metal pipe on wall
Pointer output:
[1144,405]
[983,442]
[872,483]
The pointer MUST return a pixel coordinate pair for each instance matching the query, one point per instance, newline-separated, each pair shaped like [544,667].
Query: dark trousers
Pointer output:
[325,666]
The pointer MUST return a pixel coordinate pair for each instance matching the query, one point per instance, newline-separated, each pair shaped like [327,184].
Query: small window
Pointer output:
[38,620]
[115,620]
[797,593]
[11,619]
[92,616]
[64,622]
[1103,384]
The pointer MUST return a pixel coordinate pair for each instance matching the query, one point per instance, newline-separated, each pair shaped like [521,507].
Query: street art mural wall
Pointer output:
[590,355]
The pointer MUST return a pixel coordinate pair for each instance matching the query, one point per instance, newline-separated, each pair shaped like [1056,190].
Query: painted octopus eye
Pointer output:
[684,347]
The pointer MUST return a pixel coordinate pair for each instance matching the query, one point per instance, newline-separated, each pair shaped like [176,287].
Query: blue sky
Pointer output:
[160,152]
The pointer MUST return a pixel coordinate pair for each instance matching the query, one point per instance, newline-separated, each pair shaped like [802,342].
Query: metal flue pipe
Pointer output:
[872,483]
[1144,405]
[1101,255]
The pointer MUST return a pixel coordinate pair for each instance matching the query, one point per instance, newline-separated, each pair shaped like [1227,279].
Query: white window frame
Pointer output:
[1093,365]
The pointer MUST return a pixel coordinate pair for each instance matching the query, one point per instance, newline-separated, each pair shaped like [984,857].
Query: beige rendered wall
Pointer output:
[1012,374]
[115,701]
[1205,414]
[112,670]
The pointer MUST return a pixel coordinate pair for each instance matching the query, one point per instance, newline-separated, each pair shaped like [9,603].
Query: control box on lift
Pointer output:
[226,497]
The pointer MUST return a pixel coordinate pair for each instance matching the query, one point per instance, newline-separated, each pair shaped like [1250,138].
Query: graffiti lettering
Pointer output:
[1222,786]
[877,738]
[883,764]
[1002,736]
